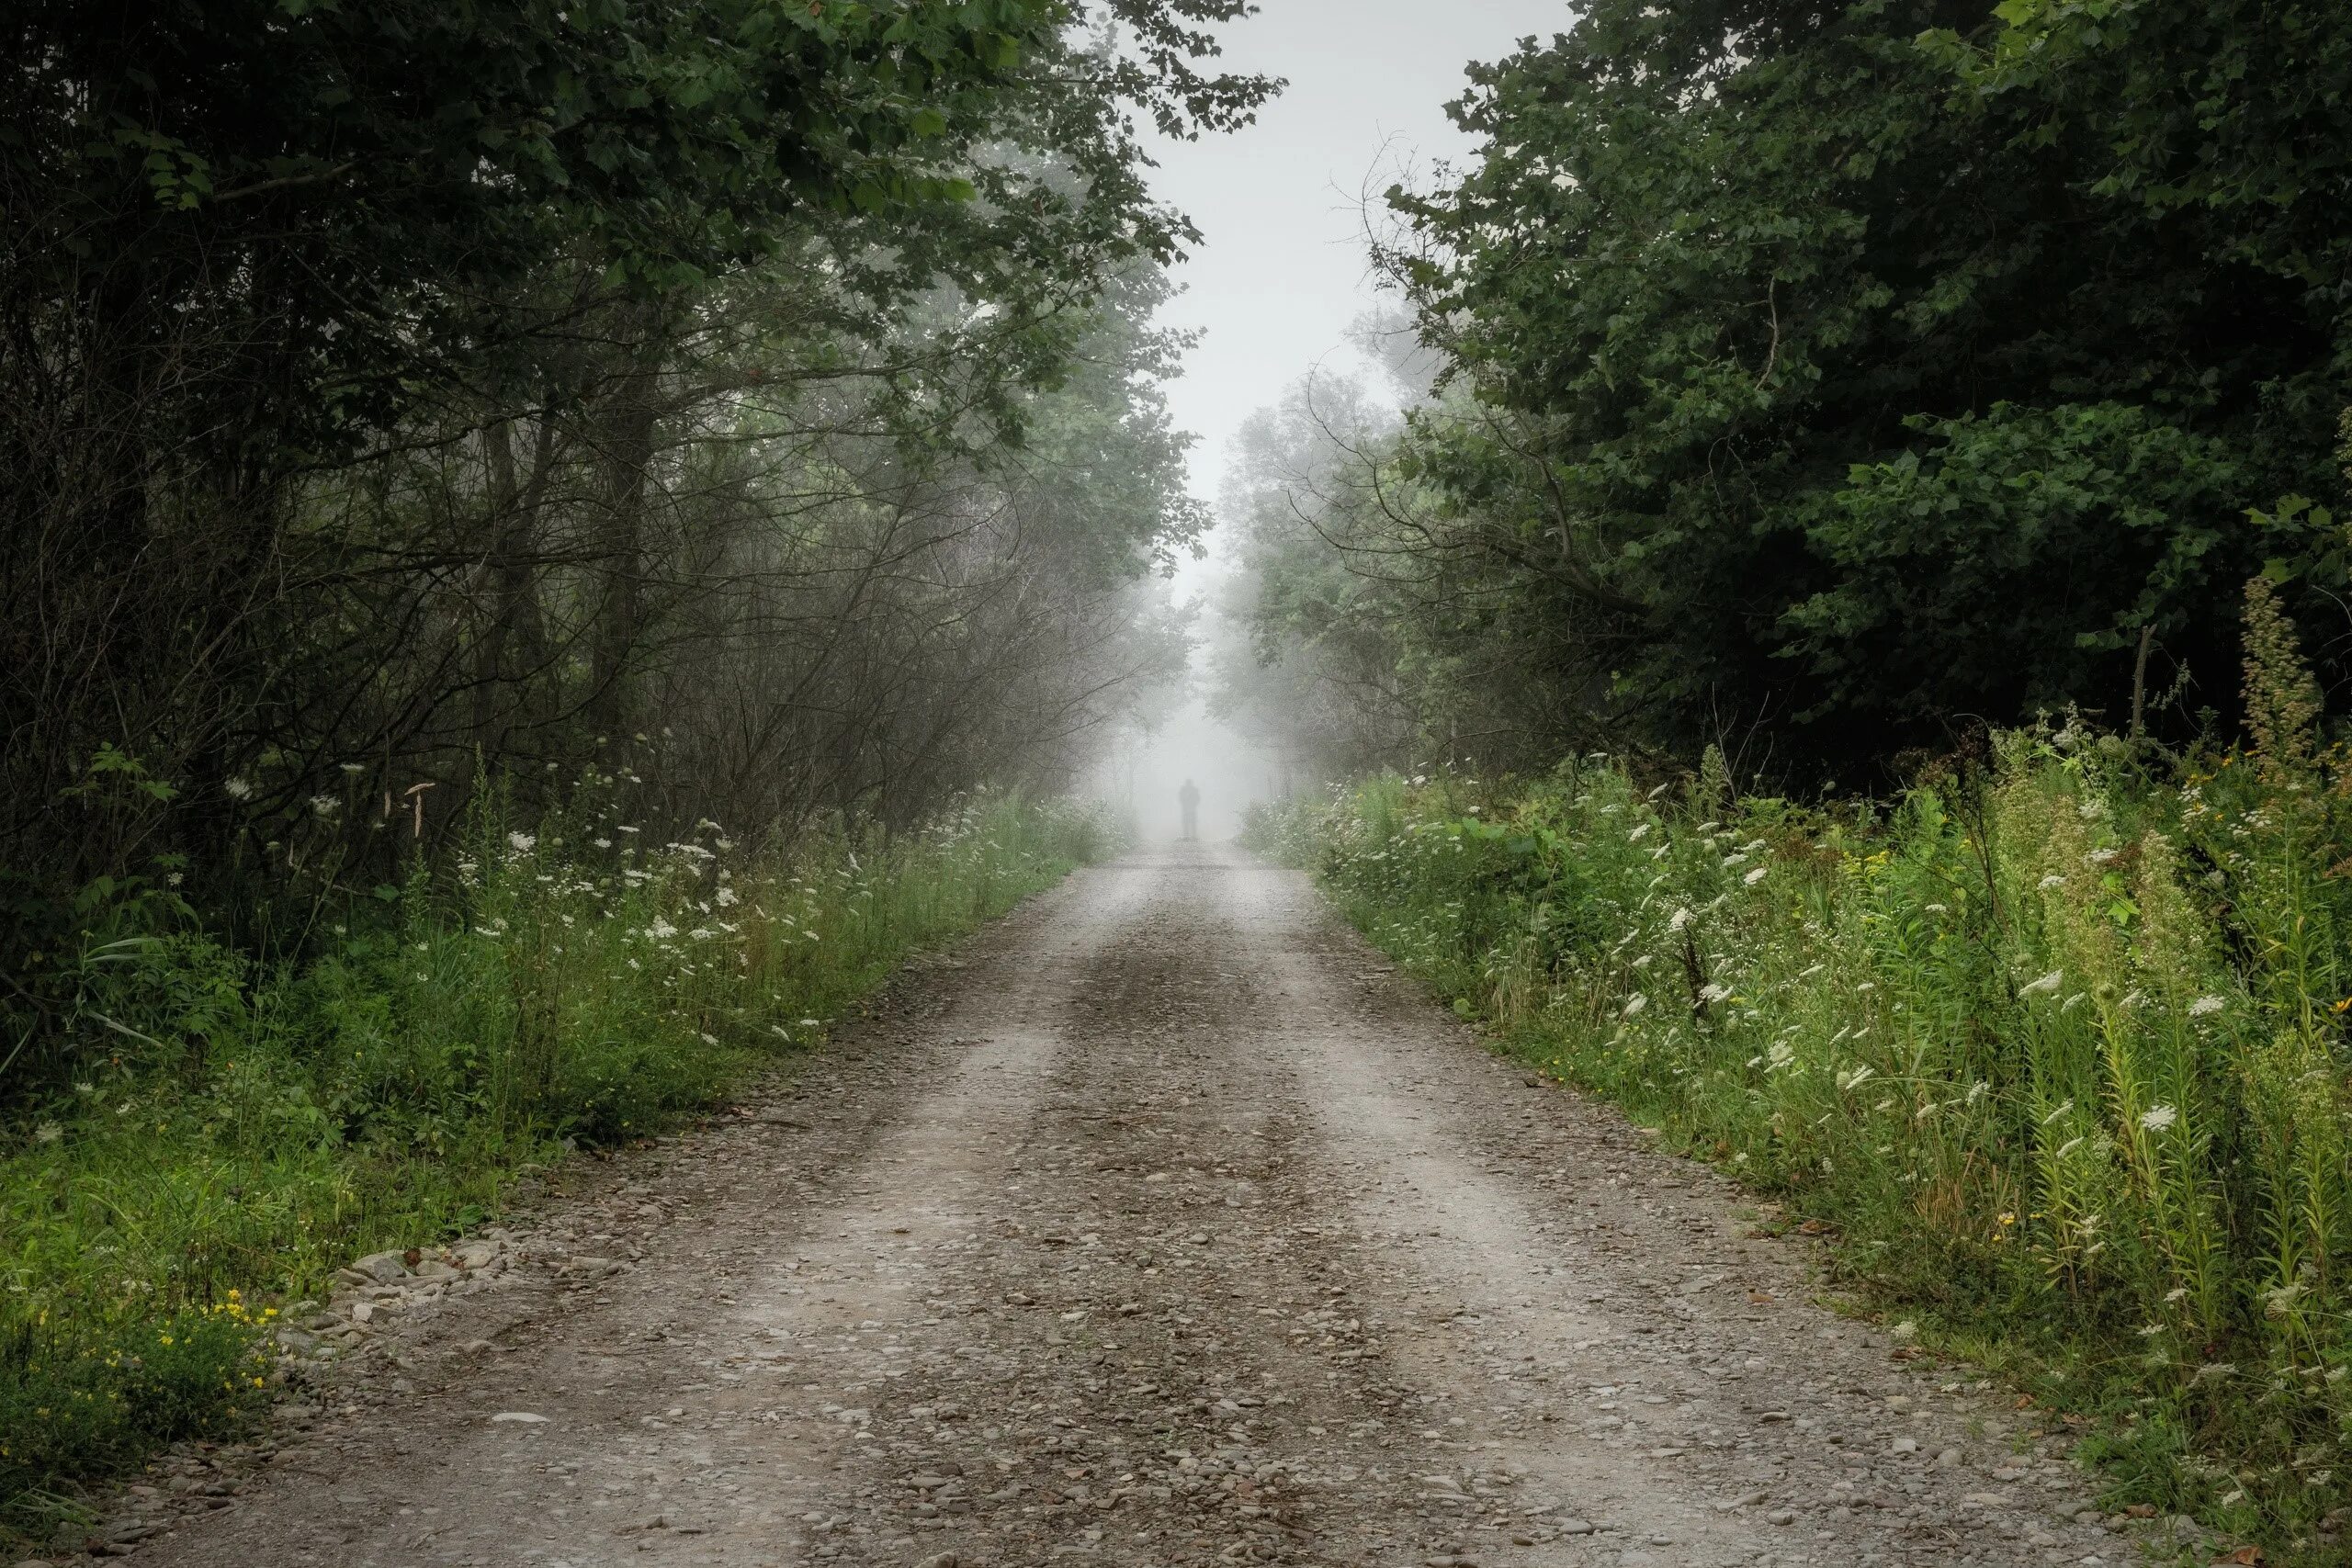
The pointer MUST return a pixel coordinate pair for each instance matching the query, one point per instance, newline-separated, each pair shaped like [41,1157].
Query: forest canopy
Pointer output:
[1828,380]
[756,399]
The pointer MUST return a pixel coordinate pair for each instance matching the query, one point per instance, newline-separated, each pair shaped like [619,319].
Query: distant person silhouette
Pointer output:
[1189,798]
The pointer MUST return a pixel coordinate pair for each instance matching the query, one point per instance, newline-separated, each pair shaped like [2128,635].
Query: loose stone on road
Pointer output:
[1164,1224]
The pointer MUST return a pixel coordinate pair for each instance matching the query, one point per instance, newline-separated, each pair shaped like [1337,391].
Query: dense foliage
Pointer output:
[1843,374]
[2056,1046]
[757,400]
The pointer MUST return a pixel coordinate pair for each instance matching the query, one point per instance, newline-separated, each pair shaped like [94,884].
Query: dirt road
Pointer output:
[1163,1225]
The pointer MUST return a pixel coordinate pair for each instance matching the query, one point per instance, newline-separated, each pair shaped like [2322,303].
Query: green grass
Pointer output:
[225,1138]
[2058,1050]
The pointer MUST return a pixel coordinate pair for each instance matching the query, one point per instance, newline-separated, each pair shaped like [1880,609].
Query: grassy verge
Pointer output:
[227,1138]
[2058,1049]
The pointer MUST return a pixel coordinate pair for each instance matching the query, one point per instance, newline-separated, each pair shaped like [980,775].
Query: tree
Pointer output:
[1880,368]
[333,328]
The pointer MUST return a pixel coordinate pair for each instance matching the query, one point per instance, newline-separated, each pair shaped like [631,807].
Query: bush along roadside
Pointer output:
[212,1143]
[2058,1048]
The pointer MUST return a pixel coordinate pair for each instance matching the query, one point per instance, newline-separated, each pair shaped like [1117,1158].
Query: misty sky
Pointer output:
[1280,273]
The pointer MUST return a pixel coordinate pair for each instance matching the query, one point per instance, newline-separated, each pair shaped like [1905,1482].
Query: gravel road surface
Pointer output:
[1163,1223]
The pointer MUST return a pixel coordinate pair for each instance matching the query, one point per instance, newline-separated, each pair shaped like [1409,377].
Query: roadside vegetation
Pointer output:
[455,455]
[1833,393]
[2053,1041]
[250,1128]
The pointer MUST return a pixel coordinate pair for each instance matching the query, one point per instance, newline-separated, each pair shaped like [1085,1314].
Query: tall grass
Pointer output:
[241,1133]
[2058,1046]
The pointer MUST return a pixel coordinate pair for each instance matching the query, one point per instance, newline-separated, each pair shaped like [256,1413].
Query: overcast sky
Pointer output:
[1280,272]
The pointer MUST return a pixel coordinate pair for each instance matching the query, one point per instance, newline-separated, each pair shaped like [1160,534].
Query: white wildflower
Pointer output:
[1634,1004]
[2044,985]
[1677,920]
[521,843]
[726,897]
[1755,877]
[354,768]
[1638,834]
[325,804]
[812,1024]
[2156,1118]
[2205,1006]
[2099,856]
[48,1133]
[2051,882]
[237,789]
[1712,993]
[2069,1147]
[661,929]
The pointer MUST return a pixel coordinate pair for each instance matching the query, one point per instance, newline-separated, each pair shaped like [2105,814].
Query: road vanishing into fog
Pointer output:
[1161,1223]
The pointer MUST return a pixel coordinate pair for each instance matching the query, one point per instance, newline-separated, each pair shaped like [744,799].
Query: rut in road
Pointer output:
[1164,1224]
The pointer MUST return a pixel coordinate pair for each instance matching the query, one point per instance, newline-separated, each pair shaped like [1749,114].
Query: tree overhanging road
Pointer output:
[1163,1225]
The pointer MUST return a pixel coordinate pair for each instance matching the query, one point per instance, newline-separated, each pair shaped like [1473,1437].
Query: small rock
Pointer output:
[1905,1445]
[1949,1457]
[521,1417]
[938,1559]
[383,1267]
[1781,1517]
[1575,1527]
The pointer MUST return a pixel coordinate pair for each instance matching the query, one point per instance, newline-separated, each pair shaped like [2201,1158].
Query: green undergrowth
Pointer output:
[218,1138]
[2056,1046]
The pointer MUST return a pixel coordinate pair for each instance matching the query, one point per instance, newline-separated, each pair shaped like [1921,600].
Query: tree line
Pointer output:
[1829,381]
[754,402]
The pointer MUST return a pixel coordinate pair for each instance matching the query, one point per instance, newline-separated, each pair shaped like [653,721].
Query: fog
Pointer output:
[1278,282]
[1145,773]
